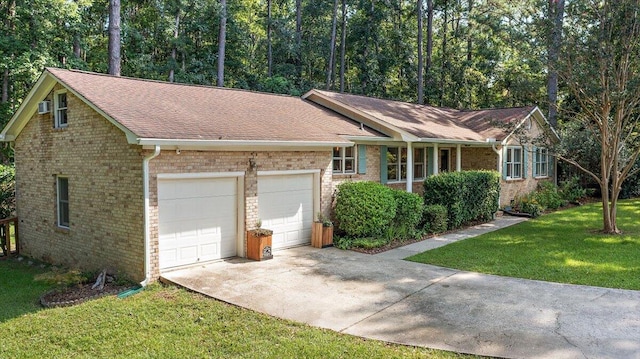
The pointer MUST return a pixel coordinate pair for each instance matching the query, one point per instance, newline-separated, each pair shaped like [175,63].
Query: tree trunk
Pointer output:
[299,39]
[469,34]
[428,65]
[222,42]
[114,38]
[420,56]
[174,48]
[556,15]
[443,69]
[5,86]
[332,50]
[269,50]
[343,44]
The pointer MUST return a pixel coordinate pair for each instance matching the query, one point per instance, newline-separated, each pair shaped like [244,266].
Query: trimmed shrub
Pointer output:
[408,213]
[434,217]
[364,209]
[468,196]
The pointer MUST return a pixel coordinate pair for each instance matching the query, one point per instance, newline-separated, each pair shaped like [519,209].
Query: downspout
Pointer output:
[147,230]
[499,153]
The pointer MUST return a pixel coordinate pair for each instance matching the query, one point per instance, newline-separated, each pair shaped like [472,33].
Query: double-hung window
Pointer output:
[541,162]
[514,162]
[419,163]
[62,187]
[344,160]
[60,109]
[397,164]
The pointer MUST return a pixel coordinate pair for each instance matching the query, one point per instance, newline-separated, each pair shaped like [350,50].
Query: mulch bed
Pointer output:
[78,294]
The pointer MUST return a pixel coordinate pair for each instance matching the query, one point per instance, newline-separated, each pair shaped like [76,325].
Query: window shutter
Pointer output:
[362,159]
[551,164]
[525,160]
[383,164]
[430,160]
[504,162]
[534,152]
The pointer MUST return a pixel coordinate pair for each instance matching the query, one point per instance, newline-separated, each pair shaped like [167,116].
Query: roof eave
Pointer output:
[28,107]
[239,145]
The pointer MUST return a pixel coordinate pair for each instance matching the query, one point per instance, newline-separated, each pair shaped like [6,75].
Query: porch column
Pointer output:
[459,158]
[436,159]
[409,167]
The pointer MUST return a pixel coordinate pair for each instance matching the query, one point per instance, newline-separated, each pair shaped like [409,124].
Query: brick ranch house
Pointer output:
[145,176]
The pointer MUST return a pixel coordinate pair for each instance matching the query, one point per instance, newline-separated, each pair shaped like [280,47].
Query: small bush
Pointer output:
[408,214]
[364,209]
[548,197]
[571,190]
[528,204]
[434,217]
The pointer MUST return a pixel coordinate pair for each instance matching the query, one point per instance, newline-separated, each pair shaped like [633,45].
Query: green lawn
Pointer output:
[164,322]
[564,247]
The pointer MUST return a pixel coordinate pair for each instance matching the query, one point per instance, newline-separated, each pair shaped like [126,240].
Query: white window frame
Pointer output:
[541,162]
[58,109]
[62,204]
[420,161]
[513,164]
[342,159]
[400,165]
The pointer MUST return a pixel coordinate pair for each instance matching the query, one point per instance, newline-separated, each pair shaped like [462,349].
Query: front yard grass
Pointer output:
[164,322]
[563,247]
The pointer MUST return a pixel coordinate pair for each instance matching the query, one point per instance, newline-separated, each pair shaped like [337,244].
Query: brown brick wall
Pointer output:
[219,161]
[105,190]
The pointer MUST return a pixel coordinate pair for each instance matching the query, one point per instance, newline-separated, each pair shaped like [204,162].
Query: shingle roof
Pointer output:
[161,110]
[434,122]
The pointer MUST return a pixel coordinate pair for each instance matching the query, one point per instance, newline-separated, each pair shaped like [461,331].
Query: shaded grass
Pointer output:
[167,322]
[563,247]
[19,291]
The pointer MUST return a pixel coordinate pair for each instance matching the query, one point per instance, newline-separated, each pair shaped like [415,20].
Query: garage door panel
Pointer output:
[197,220]
[286,206]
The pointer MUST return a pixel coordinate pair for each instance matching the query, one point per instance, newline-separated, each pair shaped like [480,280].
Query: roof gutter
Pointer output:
[216,144]
[147,230]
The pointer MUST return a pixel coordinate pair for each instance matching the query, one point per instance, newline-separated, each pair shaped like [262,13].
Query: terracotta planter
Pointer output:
[258,247]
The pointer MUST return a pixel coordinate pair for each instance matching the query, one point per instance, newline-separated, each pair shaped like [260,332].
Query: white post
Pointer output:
[436,159]
[459,158]
[409,167]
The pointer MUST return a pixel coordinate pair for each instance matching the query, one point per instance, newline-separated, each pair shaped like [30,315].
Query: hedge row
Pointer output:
[468,196]
[370,209]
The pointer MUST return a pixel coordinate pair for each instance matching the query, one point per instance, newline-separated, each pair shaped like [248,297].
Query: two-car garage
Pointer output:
[201,217]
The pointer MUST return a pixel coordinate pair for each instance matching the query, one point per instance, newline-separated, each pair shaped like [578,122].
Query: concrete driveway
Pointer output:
[383,297]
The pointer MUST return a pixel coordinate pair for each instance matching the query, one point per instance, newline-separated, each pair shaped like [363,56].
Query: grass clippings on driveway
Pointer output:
[563,246]
[165,322]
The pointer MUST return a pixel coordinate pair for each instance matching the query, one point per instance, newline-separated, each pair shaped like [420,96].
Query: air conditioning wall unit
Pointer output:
[44,107]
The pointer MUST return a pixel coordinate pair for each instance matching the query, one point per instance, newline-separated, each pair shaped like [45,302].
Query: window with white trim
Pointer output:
[541,162]
[60,109]
[344,160]
[514,162]
[419,163]
[62,189]
[397,164]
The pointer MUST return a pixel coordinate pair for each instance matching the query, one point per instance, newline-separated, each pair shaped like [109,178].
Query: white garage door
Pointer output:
[197,220]
[285,205]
